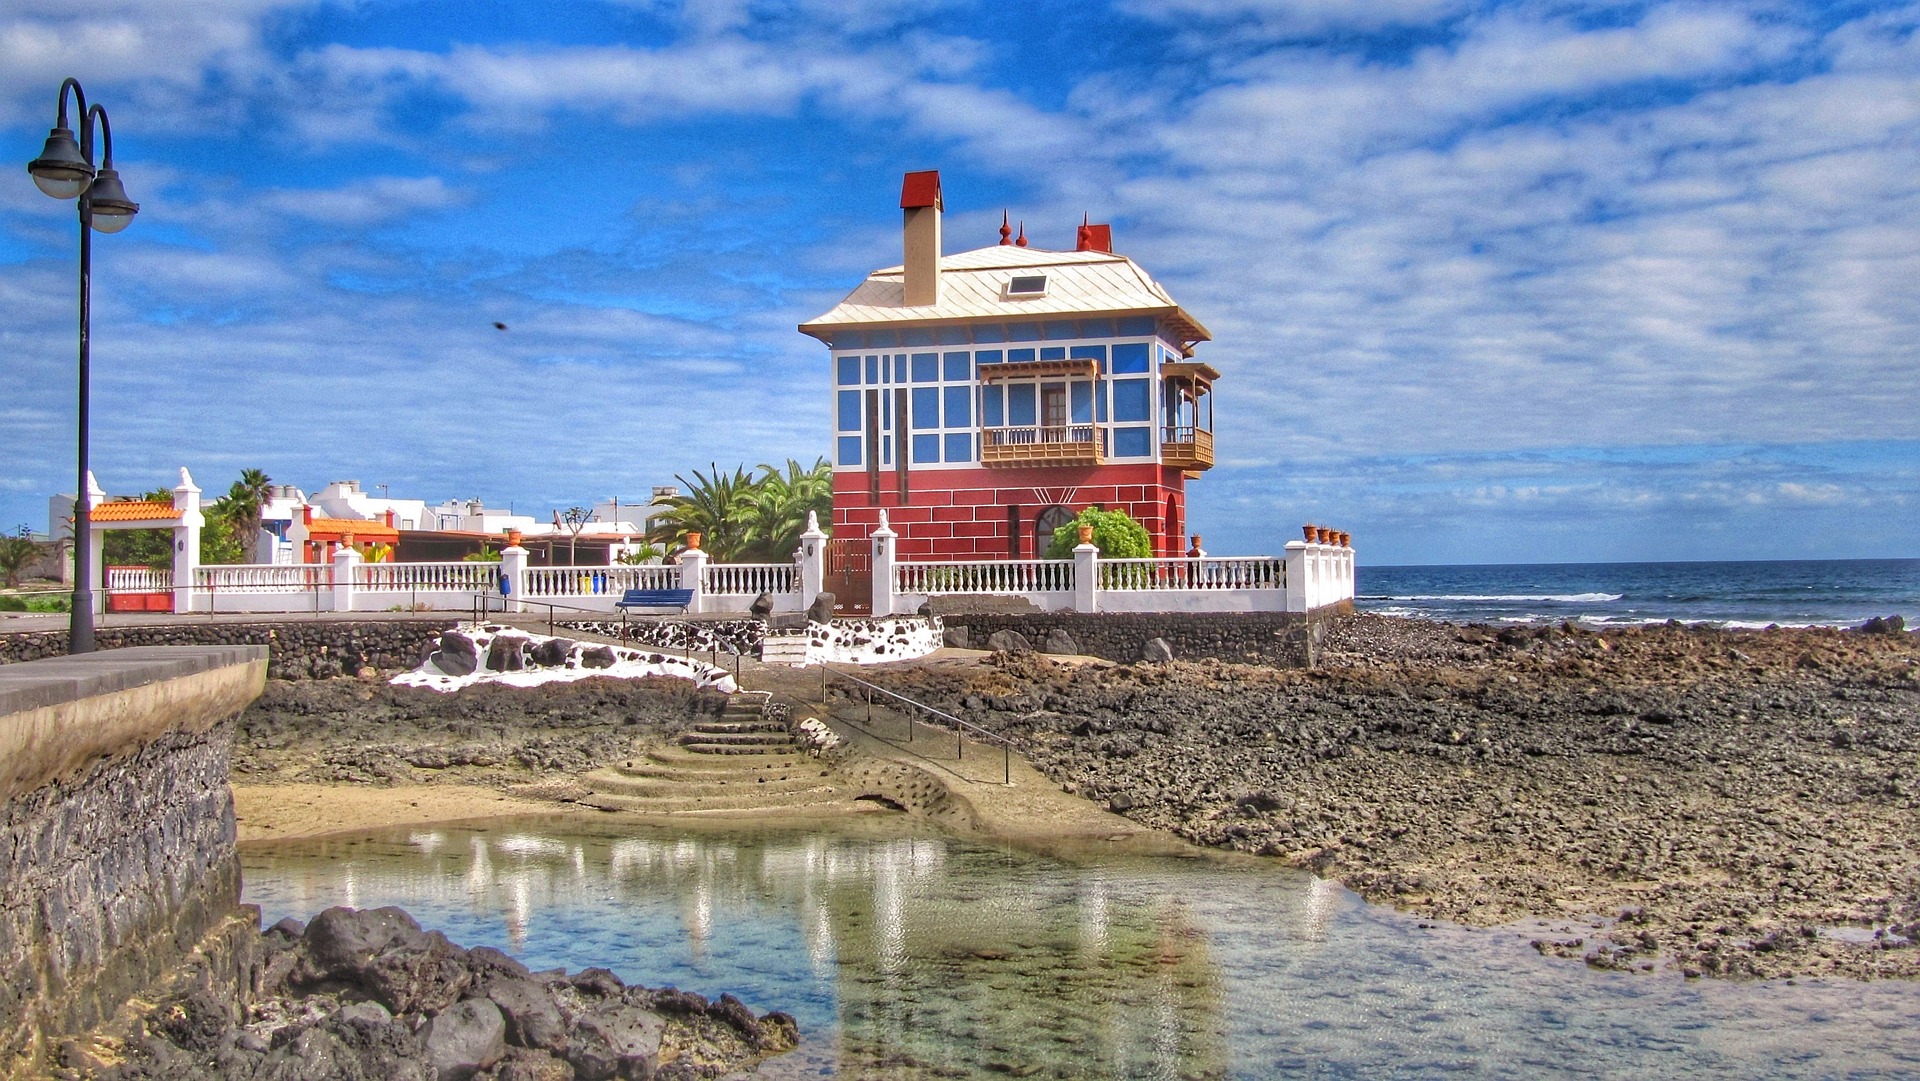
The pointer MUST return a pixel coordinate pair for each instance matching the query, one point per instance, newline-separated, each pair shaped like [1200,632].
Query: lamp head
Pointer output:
[112,210]
[61,170]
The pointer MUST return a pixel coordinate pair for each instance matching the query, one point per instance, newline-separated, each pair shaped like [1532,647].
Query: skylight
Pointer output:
[1027,285]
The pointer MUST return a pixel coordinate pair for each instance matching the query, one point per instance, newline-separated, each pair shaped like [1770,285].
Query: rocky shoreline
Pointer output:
[1725,803]
[370,995]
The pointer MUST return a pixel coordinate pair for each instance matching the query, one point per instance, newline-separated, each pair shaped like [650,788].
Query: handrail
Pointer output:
[959,742]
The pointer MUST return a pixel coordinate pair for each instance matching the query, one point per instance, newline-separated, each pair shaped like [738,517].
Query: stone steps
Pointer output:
[677,763]
[611,782]
[668,804]
[787,649]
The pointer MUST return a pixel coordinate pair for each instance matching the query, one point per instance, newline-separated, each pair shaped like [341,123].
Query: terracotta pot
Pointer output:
[693,539]
[1346,539]
[1086,534]
[1326,535]
[513,538]
[1308,531]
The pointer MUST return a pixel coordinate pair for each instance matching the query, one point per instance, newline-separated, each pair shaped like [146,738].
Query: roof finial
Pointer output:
[1021,240]
[1005,231]
[1080,238]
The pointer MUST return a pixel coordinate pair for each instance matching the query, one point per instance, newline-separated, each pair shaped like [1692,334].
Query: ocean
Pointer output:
[1791,593]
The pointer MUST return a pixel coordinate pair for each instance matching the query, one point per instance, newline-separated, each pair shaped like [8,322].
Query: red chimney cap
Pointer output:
[1095,238]
[921,189]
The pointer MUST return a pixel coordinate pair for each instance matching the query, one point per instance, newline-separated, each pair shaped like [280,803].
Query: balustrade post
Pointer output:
[693,575]
[344,561]
[186,540]
[1086,577]
[883,547]
[1296,558]
[812,557]
[513,571]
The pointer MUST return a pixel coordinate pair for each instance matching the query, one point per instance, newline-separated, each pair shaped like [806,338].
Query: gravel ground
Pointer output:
[1723,803]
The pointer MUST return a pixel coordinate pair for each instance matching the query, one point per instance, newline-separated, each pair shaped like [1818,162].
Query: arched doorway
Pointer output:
[1173,534]
[1053,518]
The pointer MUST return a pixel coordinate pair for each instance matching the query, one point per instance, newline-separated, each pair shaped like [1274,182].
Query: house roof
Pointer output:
[973,285]
[361,528]
[132,510]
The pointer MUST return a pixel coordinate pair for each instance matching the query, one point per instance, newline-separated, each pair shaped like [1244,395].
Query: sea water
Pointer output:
[905,955]
[1840,592]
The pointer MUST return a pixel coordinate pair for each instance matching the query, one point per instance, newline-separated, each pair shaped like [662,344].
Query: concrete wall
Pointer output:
[116,830]
[299,649]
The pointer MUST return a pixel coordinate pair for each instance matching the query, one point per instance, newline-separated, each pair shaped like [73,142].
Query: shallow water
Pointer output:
[910,955]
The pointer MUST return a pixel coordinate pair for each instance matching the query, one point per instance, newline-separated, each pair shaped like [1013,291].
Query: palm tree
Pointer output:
[251,492]
[713,505]
[778,504]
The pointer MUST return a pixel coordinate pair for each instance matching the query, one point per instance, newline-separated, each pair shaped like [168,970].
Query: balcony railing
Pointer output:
[1045,444]
[1183,446]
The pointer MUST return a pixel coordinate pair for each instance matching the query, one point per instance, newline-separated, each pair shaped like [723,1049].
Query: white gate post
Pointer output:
[1296,576]
[693,575]
[513,571]
[96,547]
[344,560]
[1086,577]
[883,539]
[813,561]
[186,540]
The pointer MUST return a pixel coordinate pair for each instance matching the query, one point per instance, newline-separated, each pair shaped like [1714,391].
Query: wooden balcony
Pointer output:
[1031,447]
[1186,448]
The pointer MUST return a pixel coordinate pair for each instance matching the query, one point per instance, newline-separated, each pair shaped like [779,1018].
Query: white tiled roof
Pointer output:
[973,286]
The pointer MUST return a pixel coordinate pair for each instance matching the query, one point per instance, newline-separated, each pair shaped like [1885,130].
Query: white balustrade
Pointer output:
[465,577]
[263,578]
[985,576]
[138,580]
[751,579]
[1184,573]
[591,581]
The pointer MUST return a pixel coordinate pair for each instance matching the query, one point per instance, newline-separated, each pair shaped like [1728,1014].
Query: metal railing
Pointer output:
[1205,573]
[985,576]
[1034,434]
[960,725]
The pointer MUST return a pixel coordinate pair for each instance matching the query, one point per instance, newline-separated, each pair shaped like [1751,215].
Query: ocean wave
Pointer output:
[1501,598]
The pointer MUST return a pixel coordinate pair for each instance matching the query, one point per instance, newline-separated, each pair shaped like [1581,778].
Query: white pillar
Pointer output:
[96,548]
[1297,576]
[693,575]
[345,559]
[883,547]
[513,571]
[1086,577]
[186,540]
[812,556]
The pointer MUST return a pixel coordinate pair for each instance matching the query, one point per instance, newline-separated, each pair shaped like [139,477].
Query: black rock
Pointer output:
[1884,625]
[821,610]
[597,657]
[762,605]
[1060,643]
[619,1041]
[1156,650]
[955,637]
[1008,642]
[507,654]
[533,1019]
[457,655]
[465,1038]
[552,653]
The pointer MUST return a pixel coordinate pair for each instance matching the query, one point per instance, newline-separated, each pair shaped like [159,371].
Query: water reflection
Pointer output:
[910,956]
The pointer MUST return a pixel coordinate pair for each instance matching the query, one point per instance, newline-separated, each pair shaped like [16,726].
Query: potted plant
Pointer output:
[513,538]
[693,539]
[1309,531]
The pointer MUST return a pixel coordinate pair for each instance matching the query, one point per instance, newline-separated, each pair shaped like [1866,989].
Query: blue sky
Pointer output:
[1488,281]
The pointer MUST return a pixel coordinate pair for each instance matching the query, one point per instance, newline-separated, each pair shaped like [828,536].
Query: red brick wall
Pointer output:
[962,513]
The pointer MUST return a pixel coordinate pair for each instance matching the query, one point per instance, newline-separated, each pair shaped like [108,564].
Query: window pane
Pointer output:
[959,448]
[849,410]
[1023,332]
[1136,324]
[1130,400]
[1016,356]
[1088,352]
[988,356]
[991,415]
[1131,357]
[926,408]
[919,336]
[1131,443]
[1056,352]
[1061,330]
[959,407]
[849,450]
[1097,328]
[849,372]
[953,336]
[899,367]
[926,368]
[1081,410]
[959,366]
[926,448]
[873,369]
[1020,408]
[990,332]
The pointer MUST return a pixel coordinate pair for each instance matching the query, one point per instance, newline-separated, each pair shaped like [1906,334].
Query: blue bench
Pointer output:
[656,598]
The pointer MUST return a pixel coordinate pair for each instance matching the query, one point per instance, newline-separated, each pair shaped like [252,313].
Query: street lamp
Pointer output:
[65,170]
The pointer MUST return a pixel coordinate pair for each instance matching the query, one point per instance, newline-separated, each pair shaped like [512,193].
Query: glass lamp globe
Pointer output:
[60,170]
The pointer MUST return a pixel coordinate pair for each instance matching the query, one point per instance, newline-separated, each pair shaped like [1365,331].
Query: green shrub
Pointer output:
[1115,533]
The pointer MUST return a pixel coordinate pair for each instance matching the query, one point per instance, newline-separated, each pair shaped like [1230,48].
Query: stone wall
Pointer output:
[297,649]
[1285,639]
[116,833]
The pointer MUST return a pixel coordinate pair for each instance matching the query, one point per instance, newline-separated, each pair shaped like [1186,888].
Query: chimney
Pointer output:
[920,207]
[306,514]
[1094,237]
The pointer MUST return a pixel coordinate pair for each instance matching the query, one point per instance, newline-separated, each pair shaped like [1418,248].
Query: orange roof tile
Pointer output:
[131,510]
[361,529]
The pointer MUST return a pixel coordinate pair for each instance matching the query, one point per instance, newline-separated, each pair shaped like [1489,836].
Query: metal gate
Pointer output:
[850,575]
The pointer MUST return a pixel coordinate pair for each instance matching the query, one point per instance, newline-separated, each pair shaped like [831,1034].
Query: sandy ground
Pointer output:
[282,812]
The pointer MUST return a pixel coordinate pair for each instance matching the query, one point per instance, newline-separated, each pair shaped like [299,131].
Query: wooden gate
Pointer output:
[850,576]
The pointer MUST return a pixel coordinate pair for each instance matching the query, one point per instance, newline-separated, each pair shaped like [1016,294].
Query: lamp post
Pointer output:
[65,170]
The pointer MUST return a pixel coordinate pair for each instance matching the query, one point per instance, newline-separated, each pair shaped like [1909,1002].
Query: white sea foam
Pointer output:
[1495,598]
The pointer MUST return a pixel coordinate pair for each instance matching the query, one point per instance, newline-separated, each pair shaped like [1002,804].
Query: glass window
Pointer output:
[959,366]
[849,410]
[1130,357]
[990,332]
[926,408]
[1131,443]
[991,415]
[1136,324]
[1056,352]
[1080,408]
[926,448]
[849,450]
[959,407]
[882,339]
[953,336]
[1130,400]
[1096,328]
[849,372]
[1088,352]
[918,336]
[960,448]
[1100,403]
[926,367]
[988,356]
[873,369]
[1015,356]
[849,339]
[1061,330]
[1023,332]
[1020,408]
[899,367]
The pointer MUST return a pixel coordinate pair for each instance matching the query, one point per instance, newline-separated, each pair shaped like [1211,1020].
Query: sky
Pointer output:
[1488,282]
